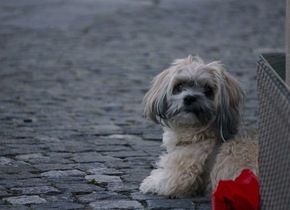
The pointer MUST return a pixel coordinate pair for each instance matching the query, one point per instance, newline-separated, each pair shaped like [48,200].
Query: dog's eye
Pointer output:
[178,88]
[208,91]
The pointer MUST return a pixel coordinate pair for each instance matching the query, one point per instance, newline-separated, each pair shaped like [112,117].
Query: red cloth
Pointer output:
[240,194]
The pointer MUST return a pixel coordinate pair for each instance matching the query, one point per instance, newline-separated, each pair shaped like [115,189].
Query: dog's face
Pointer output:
[192,93]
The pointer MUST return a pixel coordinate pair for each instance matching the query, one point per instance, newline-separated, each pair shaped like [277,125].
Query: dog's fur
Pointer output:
[198,105]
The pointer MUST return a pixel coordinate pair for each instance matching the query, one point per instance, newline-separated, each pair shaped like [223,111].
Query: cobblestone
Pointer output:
[101,195]
[57,174]
[35,190]
[58,205]
[72,78]
[116,204]
[101,179]
[171,204]
[25,200]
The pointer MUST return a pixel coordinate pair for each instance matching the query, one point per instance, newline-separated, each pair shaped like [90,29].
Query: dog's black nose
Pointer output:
[188,100]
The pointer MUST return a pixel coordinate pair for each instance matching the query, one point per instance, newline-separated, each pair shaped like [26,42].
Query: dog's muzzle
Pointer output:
[195,105]
[189,100]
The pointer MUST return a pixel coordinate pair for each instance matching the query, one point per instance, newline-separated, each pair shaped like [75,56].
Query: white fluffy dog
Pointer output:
[198,105]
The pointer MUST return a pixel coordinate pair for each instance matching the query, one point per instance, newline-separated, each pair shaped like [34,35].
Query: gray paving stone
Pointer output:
[23,169]
[118,164]
[72,146]
[116,204]
[153,136]
[5,161]
[14,164]
[124,154]
[143,197]
[25,200]
[22,149]
[33,158]
[203,206]
[106,140]
[103,178]
[135,175]
[78,188]
[110,148]
[66,180]
[14,207]
[90,157]
[202,198]
[24,182]
[123,187]
[106,129]
[104,171]
[64,197]
[58,173]
[144,162]
[113,107]
[102,195]
[4,193]
[18,176]
[58,205]
[170,204]
[45,139]
[133,130]
[52,166]
[87,166]
[35,190]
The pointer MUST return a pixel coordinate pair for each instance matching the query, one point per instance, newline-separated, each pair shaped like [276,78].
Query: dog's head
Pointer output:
[193,93]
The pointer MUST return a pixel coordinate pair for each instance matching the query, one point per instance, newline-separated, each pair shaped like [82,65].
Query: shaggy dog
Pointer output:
[198,106]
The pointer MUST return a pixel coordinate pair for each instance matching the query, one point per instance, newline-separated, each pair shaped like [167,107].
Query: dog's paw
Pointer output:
[167,183]
[147,186]
[156,183]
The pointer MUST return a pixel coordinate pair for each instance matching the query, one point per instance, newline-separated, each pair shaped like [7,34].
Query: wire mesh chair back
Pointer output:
[274,135]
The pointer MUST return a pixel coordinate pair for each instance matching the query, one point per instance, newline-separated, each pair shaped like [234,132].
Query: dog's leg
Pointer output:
[178,174]
[158,182]
[164,182]
[234,156]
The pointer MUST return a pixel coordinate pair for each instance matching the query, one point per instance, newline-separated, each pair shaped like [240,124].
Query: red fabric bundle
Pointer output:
[240,194]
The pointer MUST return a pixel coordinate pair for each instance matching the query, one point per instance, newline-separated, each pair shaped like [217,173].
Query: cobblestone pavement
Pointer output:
[72,77]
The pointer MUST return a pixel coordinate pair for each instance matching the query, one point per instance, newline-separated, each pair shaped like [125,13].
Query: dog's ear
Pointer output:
[229,99]
[155,100]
